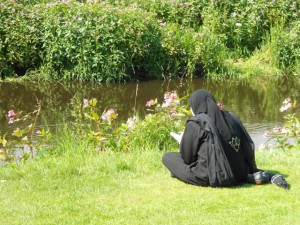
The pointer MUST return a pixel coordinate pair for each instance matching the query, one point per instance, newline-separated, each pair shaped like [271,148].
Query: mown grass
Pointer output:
[77,185]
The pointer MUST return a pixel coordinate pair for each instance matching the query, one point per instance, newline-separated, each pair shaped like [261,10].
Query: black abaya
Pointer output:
[215,149]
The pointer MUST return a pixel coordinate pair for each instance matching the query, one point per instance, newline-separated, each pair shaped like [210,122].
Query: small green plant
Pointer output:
[101,127]
[23,135]
[162,118]
[288,135]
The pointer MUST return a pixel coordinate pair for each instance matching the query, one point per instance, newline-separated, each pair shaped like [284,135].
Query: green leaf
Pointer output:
[88,116]
[93,102]
[95,115]
[3,141]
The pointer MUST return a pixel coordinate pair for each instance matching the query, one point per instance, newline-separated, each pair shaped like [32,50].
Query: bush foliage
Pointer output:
[119,40]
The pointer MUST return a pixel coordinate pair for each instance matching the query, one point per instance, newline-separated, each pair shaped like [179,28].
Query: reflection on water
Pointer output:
[257,104]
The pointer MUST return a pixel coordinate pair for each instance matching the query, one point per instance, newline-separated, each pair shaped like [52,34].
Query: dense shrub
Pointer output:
[117,40]
[186,13]
[286,47]
[96,42]
[20,37]
[83,42]
[245,23]
[2,54]
[180,46]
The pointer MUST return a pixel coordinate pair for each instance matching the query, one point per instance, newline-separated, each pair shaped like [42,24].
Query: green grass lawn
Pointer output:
[135,188]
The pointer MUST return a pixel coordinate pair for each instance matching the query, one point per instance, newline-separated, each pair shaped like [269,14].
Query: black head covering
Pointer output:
[202,101]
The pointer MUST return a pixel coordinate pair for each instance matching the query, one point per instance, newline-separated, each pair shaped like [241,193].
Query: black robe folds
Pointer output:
[205,159]
[218,166]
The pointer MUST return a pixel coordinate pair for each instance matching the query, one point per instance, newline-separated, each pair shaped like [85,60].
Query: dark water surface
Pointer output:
[256,103]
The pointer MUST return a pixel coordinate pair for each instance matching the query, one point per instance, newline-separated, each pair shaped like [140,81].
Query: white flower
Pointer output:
[286,105]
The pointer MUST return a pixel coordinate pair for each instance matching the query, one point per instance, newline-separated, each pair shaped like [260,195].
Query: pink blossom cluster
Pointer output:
[170,99]
[12,116]
[286,105]
[173,112]
[276,130]
[151,102]
[85,102]
[131,122]
[109,115]
[266,133]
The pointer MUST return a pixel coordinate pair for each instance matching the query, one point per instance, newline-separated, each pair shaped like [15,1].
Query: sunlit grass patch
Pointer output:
[93,189]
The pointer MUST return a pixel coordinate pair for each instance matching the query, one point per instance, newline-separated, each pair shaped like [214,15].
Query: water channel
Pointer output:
[256,102]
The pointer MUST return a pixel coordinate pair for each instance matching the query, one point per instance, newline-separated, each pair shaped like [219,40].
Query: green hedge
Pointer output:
[100,43]
[119,40]
[82,42]
[20,38]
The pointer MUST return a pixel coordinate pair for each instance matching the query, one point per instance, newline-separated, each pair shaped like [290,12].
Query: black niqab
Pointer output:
[202,101]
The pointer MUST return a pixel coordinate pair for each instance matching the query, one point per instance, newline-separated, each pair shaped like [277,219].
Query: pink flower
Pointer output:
[172,112]
[109,115]
[150,103]
[12,116]
[11,120]
[287,104]
[11,113]
[85,102]
[220,105]
[131,122]
[171,99]
[276,129]
[266,133]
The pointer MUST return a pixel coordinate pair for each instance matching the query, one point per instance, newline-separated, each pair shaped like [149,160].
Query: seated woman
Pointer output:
[215,149]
